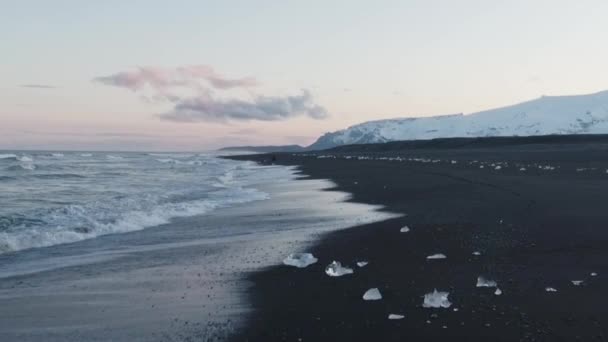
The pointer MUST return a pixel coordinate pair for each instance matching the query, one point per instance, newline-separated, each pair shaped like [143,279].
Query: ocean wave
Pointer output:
[180,162]
[86,155]
[8,156]
[28,166]
[113,157]
[57,176]
[79,222]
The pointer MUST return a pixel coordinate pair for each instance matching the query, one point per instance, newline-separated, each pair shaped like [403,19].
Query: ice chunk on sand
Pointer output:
[498,167]
[436,299]
[362,263]
[436,256]
[483,282]
[522,169]
[395,316]
[550,289]
[404,229]
[477,253]
[300,260]
[372,294]
[577,282]
[335,269]
[593,274]
[498,292]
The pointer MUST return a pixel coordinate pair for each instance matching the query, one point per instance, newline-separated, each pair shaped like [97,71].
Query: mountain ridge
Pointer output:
[546,115]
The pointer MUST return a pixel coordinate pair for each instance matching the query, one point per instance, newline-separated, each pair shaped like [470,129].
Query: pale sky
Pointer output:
[197,75]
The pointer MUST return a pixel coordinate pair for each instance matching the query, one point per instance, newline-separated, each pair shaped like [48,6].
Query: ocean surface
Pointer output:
[149,247]
[50,198]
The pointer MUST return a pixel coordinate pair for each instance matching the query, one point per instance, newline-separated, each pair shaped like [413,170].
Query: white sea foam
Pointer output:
[8,156]
[78,222]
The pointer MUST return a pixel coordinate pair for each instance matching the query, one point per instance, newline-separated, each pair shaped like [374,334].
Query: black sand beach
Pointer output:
[536,212]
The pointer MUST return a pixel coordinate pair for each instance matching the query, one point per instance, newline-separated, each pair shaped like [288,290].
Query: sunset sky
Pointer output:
[197,75]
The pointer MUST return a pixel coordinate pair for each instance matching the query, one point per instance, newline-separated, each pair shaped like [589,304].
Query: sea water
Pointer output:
[50,198]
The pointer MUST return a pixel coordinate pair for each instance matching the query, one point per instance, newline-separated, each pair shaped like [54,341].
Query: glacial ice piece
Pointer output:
[395,316]
[577,282]
[436,299]
[335,269]
[404,229]
[550,289]
[477,253]
[498,292]
[436,256]
[483,282]
[300,260]
[498,167]
[593,274]
[362,263]
[372,294]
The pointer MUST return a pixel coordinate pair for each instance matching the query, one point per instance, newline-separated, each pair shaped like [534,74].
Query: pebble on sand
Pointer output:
[483,282]
[372,294]
[335,269]
[300,260]
[436,256]
[436,299]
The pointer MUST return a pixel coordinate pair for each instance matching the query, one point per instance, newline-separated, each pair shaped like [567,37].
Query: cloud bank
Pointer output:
[263,108]
[206,106]
[164,78]
[38,86]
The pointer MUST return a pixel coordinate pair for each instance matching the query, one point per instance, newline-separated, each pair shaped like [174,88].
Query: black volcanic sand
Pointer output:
[536,228]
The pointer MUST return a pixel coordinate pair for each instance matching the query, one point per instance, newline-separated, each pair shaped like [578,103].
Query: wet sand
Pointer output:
[535,212]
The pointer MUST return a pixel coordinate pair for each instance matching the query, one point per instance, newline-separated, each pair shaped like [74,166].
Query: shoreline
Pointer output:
[538,228]
[184,280]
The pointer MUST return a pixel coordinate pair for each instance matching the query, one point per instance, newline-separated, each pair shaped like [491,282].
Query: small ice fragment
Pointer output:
[522,169]
[477,253]
[404,229]
[498,167]
[593,274]
[436,256]
[372,294]
[362,263]
[454,162]
[300,260]
[498,292]
[577,282]
[395,316]
[550,289]
[483,282]
[335,269]
[481,166]
[436,299]
[455,309]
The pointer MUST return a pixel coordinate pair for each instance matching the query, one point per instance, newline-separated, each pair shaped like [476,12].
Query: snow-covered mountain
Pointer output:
[578,114]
